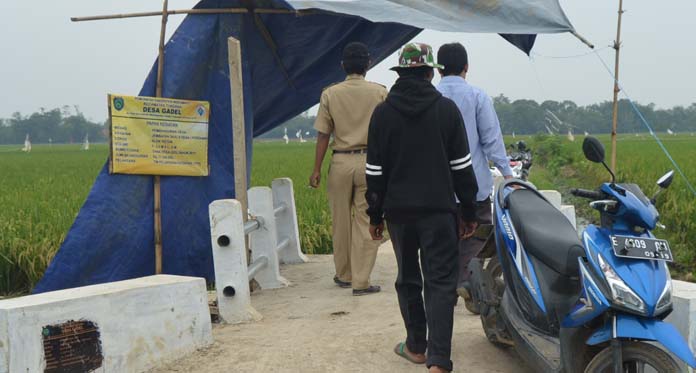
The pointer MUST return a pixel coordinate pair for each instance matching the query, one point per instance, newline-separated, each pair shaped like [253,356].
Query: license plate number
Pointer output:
[641,248]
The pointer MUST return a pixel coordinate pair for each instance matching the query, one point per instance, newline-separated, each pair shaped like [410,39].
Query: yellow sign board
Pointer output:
[158,136]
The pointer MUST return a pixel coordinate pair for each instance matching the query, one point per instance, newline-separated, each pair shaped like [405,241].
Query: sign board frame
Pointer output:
[158,136]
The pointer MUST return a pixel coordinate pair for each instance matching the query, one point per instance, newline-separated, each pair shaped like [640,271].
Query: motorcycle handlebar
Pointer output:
[590,194]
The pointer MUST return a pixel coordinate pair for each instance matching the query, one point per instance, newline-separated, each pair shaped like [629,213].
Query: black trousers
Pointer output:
[429,325]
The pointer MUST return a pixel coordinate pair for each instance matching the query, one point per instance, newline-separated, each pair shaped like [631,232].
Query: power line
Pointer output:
[571,56]
[645,122]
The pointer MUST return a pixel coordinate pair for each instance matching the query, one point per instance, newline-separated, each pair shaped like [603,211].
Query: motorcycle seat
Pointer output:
[545,232]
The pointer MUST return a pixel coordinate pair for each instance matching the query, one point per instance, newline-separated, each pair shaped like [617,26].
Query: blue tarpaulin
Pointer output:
[287,60]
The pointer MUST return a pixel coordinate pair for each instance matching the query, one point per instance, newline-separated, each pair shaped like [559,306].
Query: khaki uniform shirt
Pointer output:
[345,110]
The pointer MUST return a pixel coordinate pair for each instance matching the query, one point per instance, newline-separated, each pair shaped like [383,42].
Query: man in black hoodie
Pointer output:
[418,166]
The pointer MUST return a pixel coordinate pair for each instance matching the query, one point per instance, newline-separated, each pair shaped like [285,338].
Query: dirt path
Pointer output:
[314,326]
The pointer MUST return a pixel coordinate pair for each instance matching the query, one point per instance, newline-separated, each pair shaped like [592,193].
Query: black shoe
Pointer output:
[342,284]
[369,290]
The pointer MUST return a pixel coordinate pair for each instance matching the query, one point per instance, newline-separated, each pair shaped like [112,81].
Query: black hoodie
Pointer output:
[418,155]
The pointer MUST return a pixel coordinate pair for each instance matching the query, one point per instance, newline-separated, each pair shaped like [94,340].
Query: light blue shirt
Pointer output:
[482,129]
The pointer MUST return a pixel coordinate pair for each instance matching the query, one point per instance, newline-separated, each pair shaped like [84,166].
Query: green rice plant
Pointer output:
[274,159]
[42,192]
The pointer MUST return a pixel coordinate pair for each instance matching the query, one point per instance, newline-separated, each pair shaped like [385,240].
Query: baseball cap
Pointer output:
[416,55]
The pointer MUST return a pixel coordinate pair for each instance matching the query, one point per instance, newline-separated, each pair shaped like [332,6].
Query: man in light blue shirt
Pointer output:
[485,144]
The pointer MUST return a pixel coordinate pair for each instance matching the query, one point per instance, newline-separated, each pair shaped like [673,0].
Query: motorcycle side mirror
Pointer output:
[593,149]
[666,180]
[594,152]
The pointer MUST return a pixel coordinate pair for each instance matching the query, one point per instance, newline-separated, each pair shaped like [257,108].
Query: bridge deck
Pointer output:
[314,326]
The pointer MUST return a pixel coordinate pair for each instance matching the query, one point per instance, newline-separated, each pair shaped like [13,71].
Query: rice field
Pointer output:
[42,192]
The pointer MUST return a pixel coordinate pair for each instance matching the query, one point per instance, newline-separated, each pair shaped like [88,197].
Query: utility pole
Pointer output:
[617,48]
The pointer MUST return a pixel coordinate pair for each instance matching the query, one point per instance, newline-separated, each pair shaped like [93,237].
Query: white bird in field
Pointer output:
[570,135]
[285,137]
[85,145]
[27,144]
[513,134]
[670,131]
[587,133]
[299,136]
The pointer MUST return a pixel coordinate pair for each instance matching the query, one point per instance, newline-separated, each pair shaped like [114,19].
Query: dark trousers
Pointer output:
[471,247]
[429,327]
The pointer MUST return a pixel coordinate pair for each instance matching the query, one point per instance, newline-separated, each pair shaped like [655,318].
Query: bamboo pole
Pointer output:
[157,192]
[184,11]
[582,39]
[234,54]
[615,113]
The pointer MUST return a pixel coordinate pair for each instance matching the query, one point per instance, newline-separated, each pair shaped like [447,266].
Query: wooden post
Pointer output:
[234,54]
[617,47]
[157,193]
[192,11]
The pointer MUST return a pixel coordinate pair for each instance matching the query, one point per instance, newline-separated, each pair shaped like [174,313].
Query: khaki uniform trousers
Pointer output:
[354,250]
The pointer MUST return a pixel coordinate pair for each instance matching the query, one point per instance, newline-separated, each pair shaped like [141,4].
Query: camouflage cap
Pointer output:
[416,55]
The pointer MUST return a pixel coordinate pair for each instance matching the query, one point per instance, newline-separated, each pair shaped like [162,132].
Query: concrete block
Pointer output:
[264,241]
[569,212]
[286,222]
[553,196]
[230,260]
[683,316]
[125,326]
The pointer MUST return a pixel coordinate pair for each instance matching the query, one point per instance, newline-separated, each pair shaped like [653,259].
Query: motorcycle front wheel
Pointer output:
[637,356]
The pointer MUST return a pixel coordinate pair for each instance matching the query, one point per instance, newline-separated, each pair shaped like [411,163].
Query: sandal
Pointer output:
[400,348]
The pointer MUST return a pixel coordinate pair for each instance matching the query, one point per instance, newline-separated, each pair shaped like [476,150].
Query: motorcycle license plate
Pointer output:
[641,248]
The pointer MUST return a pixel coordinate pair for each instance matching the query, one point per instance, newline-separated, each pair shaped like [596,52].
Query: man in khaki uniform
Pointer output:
[344,112]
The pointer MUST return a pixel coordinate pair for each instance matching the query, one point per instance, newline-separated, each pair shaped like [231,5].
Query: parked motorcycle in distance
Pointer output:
[520,160]
[590,305]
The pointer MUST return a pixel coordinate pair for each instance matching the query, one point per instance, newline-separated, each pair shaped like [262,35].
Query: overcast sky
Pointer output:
[47,61]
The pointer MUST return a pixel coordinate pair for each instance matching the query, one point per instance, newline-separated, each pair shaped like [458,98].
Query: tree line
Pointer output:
[63,125]
[530,117]
[527,117]
[60,125]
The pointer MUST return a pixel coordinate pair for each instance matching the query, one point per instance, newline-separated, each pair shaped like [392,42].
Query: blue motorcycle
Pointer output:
[590,304]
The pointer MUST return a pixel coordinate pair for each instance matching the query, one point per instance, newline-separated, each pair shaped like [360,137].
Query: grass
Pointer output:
[295,160]
[40,195]
[42,192]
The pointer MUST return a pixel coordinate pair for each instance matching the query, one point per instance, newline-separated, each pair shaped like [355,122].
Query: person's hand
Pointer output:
[467,229]
[315,179]
[377,231]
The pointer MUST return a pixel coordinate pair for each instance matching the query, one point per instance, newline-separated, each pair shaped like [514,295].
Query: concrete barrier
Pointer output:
[126,326]
[683,317]
[230,259]
[286,222]
[556,200]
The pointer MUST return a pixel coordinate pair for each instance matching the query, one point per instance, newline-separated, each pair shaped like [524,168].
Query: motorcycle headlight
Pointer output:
[621,294]
[665,299]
